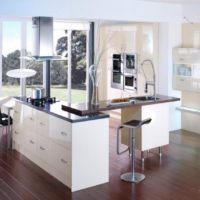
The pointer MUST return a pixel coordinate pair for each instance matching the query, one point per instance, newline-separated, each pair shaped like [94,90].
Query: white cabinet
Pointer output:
[152,135]
[186,69]
[75,153]
[186,56]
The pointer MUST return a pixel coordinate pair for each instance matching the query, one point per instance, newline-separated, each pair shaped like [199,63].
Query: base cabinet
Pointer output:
[152,135]
[77,154]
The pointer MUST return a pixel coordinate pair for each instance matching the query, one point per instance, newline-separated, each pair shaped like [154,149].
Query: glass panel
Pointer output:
[37,80]
[59,68]
[11,57]
[78,75]
[183,69]
[59,80]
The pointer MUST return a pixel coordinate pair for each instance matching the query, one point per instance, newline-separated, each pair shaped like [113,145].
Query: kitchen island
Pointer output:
[71,148]
[71,142]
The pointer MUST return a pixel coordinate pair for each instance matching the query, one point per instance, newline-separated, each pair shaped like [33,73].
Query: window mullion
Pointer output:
[69,82]
[22,60]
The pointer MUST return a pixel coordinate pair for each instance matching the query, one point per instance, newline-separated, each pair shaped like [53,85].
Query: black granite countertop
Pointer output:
[85,109]
[55,110]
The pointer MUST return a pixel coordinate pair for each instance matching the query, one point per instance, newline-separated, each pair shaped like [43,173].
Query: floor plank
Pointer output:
[175,177]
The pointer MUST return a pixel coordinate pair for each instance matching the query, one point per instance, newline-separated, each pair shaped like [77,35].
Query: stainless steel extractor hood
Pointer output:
[43,39]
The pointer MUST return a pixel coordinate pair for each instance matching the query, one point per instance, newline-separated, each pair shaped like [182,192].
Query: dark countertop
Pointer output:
[85,109]
[55,110]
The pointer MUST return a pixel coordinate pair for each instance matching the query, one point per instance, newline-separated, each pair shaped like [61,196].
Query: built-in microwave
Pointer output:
[123,73]
[130,82]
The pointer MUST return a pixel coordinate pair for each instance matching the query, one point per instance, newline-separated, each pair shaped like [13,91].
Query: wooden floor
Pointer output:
[175,177]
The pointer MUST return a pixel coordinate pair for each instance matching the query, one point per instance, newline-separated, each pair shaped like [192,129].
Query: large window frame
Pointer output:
[71,26]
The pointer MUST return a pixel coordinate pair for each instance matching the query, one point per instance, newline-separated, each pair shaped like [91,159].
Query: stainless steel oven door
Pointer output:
[117,80]
[130,82]
[130,63]
[117,65]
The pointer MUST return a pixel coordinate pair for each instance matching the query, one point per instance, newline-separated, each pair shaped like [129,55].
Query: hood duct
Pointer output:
[43,39]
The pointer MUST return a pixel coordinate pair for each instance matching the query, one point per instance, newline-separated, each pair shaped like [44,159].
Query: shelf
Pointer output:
[192,110]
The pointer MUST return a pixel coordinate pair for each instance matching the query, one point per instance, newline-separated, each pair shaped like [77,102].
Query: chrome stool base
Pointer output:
[132,177]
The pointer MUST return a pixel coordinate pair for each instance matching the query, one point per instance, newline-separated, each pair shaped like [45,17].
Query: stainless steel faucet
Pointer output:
[152,83]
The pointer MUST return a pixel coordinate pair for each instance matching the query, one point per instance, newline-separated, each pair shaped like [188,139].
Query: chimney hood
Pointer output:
[43,39]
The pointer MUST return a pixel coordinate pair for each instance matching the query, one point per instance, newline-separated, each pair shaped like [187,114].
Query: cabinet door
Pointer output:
[60,131]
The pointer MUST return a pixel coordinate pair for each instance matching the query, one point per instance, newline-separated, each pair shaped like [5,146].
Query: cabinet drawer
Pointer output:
[60,131]
[17,134]
[43,149]
[29,119]
[42,123]
[61,158]
[30,143]
[17,116]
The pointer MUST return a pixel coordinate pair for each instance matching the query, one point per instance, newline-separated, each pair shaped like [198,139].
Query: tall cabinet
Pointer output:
[186,78]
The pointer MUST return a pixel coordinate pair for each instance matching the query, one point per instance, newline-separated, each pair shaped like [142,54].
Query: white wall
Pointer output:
[191,12]
[169,37]
[128,10]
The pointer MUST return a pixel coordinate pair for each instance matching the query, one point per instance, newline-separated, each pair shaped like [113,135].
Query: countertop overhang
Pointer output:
[84,109]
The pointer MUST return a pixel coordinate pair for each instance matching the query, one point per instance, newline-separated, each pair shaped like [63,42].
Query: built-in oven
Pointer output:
[130,63]
[123,73]
[130,82]
[117,78]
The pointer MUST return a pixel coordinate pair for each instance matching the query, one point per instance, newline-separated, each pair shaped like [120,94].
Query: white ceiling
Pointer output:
[174,1]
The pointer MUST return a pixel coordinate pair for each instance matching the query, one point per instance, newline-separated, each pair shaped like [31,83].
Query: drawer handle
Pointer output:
[63,161]
[42,148]
[42,124]
[31,119]
[64,133]
[15,111]
[16,132]
[31,141]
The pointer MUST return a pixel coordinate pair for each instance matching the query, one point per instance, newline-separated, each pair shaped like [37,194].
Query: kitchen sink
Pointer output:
[146,98]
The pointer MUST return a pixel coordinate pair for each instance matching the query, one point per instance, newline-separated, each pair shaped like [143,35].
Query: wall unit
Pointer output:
[186,69]
[71,152]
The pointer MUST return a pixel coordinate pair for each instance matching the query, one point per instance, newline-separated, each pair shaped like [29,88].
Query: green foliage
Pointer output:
[58,68]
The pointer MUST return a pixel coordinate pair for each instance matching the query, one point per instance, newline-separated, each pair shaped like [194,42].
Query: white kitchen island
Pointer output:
[71,148]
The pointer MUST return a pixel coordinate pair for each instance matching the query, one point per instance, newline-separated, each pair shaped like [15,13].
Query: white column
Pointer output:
[87,65]
[169,37]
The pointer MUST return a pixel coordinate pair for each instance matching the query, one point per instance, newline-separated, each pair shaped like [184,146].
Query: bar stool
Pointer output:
[132,125]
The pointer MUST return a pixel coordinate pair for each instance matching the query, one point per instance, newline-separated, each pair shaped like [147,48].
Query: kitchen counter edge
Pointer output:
[55,110]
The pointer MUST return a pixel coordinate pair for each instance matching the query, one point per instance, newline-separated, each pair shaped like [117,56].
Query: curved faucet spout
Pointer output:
[153,83]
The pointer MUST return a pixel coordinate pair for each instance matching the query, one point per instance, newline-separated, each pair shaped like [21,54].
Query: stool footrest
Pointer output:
[132,177]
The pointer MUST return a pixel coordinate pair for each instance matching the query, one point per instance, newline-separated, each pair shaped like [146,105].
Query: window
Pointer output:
[68,77]
[11,46]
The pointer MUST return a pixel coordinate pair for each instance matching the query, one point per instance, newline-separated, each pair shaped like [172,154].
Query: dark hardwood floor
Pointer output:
[175,177]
